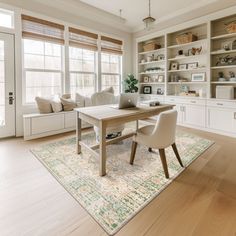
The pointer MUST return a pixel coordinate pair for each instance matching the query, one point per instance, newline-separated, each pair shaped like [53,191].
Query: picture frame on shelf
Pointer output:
[182,66]
[147,89]
[160,91]
[161,78]
[193,65]
[198,77]
[146,79]
[174,66]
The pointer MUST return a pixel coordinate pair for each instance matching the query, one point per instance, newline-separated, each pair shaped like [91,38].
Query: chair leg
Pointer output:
[133,151]
[163,161]
[150,149]
[177,154]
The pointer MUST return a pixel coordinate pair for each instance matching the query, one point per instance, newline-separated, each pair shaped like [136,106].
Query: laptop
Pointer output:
[127,100]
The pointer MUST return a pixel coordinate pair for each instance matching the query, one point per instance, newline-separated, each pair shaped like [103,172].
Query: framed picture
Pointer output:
[198,77]
[160,78]
[160,91]
[227,45]
[193,65]
[174,66]
[182,66]
[147,89]
[146,79]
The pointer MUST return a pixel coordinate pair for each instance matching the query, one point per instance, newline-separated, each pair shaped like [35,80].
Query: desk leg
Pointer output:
[102,156]
[137,124]
[78,133]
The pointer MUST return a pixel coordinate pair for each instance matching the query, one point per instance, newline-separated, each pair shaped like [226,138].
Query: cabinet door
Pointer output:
[179,108]
[194,115]
[221,119]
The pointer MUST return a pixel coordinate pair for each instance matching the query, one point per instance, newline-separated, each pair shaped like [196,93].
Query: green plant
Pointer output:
[130,84]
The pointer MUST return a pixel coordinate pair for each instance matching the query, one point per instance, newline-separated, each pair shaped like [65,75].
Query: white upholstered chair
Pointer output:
[105,98]
[159,136]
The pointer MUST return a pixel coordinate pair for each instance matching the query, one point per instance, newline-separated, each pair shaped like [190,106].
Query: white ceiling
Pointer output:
[133,11]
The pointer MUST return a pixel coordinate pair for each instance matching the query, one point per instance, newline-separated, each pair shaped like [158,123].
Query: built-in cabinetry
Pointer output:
[193,72]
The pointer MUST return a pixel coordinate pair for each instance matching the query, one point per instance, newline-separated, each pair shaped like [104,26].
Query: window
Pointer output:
[111,60]
[43,58]
[6,18]
[82,56]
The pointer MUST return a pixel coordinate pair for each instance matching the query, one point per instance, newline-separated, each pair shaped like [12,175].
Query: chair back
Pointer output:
[102,98]
[165,129]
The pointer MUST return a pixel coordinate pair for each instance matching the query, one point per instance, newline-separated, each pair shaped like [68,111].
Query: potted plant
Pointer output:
[130,84]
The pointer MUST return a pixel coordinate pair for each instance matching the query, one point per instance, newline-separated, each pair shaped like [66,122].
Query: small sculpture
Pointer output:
[232,76]
[196,51]
[221,76]
[226,60]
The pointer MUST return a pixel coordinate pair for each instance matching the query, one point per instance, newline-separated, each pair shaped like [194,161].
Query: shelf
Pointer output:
[223,36]
[198,69]
[222,52]
[223,82]
[185,57]
[223,67]
[149,73]
[187,82]
[153,51]
[187,44]
[151,62]
[157,83]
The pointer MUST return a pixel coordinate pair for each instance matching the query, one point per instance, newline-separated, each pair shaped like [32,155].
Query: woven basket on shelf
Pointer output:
[186,38]
[231,27]
[151,46]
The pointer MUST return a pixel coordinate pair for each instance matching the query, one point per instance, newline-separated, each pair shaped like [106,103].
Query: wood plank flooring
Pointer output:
[201,201]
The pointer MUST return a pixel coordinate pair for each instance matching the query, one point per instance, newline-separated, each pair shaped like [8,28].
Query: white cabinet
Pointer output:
[222,119]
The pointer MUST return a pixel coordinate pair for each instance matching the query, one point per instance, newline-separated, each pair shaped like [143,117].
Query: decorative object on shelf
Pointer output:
[147,89]
[234,45]
[146,79]
[149,21]
[130,84]
[184,88]
[182,66]
[224,92]
[221,77]
[161,78]
[226,60]
[160,57]
[193,65]
[154,103]
[151,45]
[154,70]
[174,66]
[189,94]
[160,91]
[180,53]
[231,27]
[174,78]
[183,80]
[150,58]
[143,61]
[232,76]
[227,45]
[196,51]
[202,93]
[198,77]
[186,38]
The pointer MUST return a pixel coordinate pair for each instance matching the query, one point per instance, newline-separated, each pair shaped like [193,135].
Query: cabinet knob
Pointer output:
[193,101]
[219,104]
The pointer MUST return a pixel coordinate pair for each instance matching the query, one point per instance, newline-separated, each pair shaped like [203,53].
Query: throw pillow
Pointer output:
[44,105]
[108,90]
[68,104]
[66,96]
[80,100]
[56,105]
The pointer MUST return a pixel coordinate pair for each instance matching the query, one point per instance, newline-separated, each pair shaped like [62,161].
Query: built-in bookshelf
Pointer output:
[194,66]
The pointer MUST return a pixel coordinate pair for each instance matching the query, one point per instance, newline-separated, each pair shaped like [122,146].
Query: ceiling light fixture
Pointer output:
[149,21]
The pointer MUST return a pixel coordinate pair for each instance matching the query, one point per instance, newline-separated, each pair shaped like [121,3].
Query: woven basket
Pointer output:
[151,46]
[186,38]
[231,27]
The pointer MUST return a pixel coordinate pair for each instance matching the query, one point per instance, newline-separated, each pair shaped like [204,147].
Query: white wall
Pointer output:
[57,15]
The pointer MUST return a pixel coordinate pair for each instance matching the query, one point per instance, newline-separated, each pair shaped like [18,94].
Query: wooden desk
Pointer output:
[107,116]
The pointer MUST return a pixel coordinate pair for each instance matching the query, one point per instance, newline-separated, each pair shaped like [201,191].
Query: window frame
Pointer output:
[11,13]
[25,70]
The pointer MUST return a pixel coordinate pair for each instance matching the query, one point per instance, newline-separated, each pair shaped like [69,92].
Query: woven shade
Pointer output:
[82,39]
[110,45]
[34,28]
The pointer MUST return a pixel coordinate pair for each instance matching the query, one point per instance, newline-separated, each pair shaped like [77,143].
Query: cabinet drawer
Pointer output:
[173,100]
[45,124]
[194,101]
[70,119]
[221,103]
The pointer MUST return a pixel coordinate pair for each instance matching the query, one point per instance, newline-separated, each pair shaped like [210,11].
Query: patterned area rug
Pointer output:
[114,199]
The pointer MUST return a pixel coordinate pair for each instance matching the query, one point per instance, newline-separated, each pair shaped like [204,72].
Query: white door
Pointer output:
[7,94]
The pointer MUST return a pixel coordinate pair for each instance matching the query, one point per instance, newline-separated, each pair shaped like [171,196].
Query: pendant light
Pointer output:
[149,21]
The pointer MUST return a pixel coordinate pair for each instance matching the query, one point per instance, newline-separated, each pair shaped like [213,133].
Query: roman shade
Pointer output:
[83,39]
[110,45]
[34,28]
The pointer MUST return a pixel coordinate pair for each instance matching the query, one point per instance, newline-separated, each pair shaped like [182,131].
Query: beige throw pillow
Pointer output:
[56,105]
[80,100]
[108,90]
[44,105]
[68,104]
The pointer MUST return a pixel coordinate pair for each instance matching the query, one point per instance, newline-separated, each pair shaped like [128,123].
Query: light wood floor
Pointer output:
[201,201]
